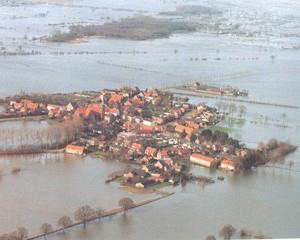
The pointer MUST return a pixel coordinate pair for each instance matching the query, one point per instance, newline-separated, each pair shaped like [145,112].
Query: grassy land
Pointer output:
[221,129]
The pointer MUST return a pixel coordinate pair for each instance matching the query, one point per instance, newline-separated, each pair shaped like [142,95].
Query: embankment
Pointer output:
[105,214]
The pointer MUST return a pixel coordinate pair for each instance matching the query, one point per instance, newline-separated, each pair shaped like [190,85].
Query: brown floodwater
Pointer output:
[266,199]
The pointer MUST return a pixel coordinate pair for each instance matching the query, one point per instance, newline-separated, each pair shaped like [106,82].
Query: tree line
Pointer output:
[51,137]
[82,215]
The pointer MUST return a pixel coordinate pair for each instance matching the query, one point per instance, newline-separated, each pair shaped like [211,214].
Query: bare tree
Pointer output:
[210,237]
[15,170]
[244,233]
[46,228]
[99,213]
[227,231]
[126,203]
[64,222]
[22,233]
[83,214]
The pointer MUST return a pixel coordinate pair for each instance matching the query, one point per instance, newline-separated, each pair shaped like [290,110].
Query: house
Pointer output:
[30,105]
[113,111]
[150,151]
[75,149]
[96,109]
[70,107]
[202,160]
[228,164]
[148,123]
[16,105]
[163,154]
[183,129]
[160,128]
[115,99]
[144,129]
[54,110]
[139,185]
[50,107]
[159,165]
[136,148]
[158,120]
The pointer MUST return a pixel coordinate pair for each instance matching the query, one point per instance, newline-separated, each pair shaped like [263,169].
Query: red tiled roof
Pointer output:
[180,128]
[136,147]
[115,98]
[146,129]
[150,151]
[75,148]
[202,157]
[228,162]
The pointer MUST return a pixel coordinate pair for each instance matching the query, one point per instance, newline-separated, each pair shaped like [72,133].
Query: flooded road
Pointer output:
[49,186]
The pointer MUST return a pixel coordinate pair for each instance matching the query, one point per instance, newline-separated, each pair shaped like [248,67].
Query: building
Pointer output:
[136,148]
[183,129]
[75,149]
[228,164]
[163,154]
[202,160]
[150,151]
[30,105]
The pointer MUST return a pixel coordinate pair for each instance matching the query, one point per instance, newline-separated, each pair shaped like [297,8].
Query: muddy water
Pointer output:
[265,199]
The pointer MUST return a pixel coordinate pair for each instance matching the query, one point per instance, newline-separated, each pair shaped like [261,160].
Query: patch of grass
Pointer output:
[221,129]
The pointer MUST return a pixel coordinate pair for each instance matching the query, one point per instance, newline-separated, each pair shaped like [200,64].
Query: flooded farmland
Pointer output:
[262,56]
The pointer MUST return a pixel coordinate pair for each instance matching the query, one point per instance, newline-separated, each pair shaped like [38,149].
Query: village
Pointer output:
[158,132]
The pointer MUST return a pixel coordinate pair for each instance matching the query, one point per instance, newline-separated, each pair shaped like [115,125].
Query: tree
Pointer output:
[244,233]
[126,203]
[22,233]
[64,222]
[210,237]
[83,214]
[99,213]
[46,228]
[227,231]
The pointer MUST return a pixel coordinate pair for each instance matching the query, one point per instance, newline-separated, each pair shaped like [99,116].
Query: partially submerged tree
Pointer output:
[227,231]
[15,170]
[99,213]
[46,228]
[244,233]
[126,203]
[64,221]
[210,237]
[83,214]
[22,233]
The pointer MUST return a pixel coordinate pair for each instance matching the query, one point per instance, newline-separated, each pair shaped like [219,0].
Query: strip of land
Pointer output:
[135,28]
[204,95]
[105,214]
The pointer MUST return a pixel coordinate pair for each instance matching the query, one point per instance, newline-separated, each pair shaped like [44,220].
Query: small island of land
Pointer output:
[161,134]
[134,28]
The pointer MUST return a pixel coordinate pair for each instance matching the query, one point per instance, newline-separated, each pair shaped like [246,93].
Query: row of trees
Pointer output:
[52,136]
[82,215]
[227,231]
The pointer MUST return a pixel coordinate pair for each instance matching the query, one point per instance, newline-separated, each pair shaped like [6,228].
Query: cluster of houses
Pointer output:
[27,107]
[150,127]
[211,162]
[152,172]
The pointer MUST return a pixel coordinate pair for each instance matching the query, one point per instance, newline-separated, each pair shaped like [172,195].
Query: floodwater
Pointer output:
[49,186]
